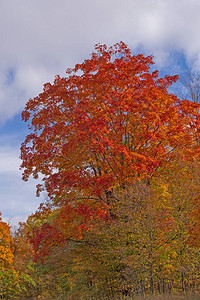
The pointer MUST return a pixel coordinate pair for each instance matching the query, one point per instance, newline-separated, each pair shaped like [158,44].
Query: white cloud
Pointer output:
[16,196]
[9,160]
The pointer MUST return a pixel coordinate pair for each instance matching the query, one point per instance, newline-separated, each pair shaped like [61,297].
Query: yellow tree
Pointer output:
[6,246]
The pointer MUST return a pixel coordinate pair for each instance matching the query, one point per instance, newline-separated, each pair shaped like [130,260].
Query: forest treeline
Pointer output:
[151,245]
[119,159]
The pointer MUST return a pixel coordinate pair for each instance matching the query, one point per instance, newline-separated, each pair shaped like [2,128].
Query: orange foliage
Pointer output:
[6,246]
[109,122]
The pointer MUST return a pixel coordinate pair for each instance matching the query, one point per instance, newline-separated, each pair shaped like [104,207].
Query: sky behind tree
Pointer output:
[42,38]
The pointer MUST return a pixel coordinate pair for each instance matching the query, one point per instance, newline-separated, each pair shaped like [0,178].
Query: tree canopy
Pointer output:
[109,122]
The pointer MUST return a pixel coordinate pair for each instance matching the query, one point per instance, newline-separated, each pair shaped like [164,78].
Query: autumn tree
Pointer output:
[142,250]
[190,89]
[8,275]
[6,246]
[112,144]
[109,123]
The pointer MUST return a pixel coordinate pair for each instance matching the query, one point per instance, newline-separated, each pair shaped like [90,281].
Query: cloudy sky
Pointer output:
[42,38]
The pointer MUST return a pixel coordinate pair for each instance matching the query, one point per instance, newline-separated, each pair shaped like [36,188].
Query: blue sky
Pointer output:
[42,38]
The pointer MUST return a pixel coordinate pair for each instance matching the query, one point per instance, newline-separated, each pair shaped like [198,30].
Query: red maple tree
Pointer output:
[108,123]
